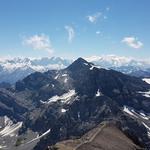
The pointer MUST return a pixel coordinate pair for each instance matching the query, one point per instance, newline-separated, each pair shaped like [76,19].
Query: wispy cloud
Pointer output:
[132,42]
[98,32]
[93,18]
[71,33]
[39,42]
[107,8]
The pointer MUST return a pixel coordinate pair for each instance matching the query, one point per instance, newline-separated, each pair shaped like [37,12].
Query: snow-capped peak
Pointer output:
[14,69]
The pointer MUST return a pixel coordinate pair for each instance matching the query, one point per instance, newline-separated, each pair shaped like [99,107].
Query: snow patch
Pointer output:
[64,98]
[78,115]
[147,80]
[7,121]
[142,114]
[63,110]
[2,146]
[39,137]
[128,111]
[98,93]
[56,77]
[146,94]
[135,114]
[10,128]
[64,75]
[65,81]
[86,64]
[54,98]
[148,128]
[94,66]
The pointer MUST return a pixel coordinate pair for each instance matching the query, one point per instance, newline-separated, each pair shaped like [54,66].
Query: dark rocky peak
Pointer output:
[79,64]
[34,81]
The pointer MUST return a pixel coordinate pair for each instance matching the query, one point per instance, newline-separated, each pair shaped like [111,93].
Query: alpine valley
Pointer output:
[78,106]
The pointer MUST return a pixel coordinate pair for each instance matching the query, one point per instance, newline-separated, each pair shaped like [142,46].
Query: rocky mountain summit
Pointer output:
[14,69]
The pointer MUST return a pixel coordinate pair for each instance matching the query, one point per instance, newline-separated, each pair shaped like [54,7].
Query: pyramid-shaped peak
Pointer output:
[79,63]
[80,60]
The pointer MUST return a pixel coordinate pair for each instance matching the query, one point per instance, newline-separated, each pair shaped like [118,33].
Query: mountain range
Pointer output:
[14,69]
[81,106]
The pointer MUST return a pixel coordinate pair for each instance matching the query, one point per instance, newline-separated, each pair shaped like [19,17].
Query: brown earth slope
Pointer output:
[104,137]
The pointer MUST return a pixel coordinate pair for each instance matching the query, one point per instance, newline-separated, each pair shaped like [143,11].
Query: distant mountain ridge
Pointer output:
[14,69]
[118,61]
[127,65]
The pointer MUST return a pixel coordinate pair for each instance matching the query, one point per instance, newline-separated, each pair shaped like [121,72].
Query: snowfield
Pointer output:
[133,113]
[10,129]
[140,115]
[128,111]
[147,80]
[146,94]
[66,97]
[39,137]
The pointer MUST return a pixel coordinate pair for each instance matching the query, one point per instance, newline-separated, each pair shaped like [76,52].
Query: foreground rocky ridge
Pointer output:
[104,136]
[66,104]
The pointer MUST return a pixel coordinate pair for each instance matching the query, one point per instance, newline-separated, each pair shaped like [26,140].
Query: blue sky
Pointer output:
[73,28]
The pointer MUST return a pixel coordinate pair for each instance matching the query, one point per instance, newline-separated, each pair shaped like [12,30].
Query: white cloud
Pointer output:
[98,32]
[94,18]
[39,42]
[132,42]
[107,8]
[71,33]
[105,17]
